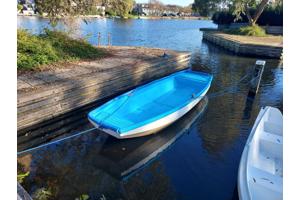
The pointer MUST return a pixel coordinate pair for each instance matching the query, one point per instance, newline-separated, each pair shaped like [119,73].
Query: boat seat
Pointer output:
[270,148]
[194,77]
[263,182]
[270,137]
[195,80]
[273,128]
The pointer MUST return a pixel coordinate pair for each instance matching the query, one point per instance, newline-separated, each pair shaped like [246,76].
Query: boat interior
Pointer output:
[265,157]
[153,101]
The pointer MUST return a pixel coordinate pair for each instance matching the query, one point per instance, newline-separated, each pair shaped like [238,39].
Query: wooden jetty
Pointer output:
[47,94]
[268,47]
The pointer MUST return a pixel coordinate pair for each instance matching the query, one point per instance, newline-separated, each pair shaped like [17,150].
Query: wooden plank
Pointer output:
[57,97]
[30,118]
[61,119]
[136,64]
[105,91]
[34,96]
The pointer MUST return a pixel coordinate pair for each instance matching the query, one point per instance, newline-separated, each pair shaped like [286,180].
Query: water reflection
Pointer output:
[65,166]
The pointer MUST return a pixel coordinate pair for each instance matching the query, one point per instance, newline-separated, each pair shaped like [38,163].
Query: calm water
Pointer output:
[195,158]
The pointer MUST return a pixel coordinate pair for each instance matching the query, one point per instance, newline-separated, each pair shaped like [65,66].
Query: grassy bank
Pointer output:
[254,30]
[52,47]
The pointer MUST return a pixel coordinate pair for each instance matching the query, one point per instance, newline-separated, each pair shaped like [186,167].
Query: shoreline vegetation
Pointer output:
[253,30]
[52,49]
[127,17]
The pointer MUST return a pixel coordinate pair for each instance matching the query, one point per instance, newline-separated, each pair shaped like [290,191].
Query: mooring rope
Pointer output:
[56,141]
[77,134]
[232,88]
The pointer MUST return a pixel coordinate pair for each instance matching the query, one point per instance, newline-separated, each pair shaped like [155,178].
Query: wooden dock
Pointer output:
[47,94]
[266,47]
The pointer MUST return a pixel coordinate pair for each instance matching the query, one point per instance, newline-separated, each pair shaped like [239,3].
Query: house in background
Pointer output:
[101,9]
[145,9]
[28,9]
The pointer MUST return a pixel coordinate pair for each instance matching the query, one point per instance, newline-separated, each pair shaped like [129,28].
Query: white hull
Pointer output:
[156,125]
[261,171]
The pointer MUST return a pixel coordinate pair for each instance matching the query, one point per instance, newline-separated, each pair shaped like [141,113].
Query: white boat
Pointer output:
[261,171]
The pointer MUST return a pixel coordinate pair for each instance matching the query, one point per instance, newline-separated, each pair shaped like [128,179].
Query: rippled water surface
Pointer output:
[195,158]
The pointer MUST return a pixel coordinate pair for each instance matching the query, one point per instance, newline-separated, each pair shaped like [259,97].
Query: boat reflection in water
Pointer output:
[126,156]
[88,160]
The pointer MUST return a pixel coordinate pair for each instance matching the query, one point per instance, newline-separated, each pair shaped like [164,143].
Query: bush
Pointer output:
[248,30]
[270,16]
[33,51]
[51,47]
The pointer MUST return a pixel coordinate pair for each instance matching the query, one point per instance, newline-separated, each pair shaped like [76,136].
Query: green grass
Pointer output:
[36,51]
[254,30]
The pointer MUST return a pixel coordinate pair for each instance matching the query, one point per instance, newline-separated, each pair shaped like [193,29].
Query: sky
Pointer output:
[176,2]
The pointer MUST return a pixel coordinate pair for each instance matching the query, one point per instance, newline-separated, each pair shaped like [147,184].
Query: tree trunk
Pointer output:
[259,10]
[249,16]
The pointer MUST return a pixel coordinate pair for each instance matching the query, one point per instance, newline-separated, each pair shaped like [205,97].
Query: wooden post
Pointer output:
[99,39]
[256,76]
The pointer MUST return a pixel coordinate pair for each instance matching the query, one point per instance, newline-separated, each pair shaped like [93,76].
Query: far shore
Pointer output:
[135,17]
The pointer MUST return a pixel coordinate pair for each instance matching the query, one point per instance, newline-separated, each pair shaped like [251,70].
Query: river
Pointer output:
[196,158]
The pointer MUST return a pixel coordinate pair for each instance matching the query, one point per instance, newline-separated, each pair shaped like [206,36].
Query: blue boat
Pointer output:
[151,107]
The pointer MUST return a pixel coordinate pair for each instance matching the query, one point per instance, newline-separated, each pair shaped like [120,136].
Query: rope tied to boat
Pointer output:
[56,141]
[233,87]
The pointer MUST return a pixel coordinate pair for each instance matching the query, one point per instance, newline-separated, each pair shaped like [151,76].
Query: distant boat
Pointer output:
[261,170]
[151,107]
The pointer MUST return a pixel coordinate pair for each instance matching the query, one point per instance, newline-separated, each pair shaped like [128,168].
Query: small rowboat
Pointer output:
[151,107]
[261,171]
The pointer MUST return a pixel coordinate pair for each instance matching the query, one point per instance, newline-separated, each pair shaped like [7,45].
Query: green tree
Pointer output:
[19,7]
[121,7]
[56,9]
[205,7]
[244,6]
[237,7]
